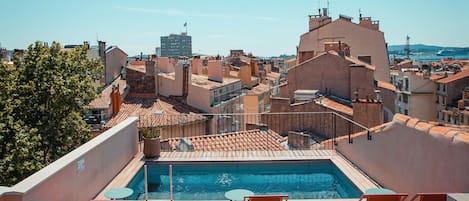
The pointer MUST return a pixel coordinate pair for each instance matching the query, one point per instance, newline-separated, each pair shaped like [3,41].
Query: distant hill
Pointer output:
[399,49]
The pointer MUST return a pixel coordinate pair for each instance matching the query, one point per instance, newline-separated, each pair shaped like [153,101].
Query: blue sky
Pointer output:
[263,27]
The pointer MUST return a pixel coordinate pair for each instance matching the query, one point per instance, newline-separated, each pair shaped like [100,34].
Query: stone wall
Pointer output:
[320,123]
[140,82]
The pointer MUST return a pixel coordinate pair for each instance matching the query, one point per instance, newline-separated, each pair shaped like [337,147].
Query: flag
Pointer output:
[185,24]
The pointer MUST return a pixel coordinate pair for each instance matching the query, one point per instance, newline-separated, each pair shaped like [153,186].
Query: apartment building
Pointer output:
[415,93]
[453,98]
[176,45]
[210,93]
[365,38]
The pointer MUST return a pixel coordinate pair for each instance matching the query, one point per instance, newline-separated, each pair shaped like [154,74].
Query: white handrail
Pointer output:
[145,175]
[171,182]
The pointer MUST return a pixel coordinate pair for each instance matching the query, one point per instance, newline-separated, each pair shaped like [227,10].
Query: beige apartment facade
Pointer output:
[364,38]
[415,94]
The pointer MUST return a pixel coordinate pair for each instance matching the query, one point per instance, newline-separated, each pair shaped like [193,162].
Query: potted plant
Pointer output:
[151,142]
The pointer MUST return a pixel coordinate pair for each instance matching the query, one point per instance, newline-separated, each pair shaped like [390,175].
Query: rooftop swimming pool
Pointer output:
[312,179]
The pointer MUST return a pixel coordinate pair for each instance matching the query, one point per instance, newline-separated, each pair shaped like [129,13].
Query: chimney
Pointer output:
[182,78]
[115,99]
[102,52]
[378,96]
[254,67]
[340,51]
[149,68]
[461,104]
[465,94]
[215,71]
[357,99]
[196,65]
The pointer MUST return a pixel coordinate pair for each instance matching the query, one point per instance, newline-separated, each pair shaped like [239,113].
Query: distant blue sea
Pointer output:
[429,57]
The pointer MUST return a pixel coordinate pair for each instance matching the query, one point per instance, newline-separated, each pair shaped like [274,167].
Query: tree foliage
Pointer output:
[41,107]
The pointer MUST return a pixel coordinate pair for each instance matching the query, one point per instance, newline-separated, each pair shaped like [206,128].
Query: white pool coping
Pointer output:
[361,181]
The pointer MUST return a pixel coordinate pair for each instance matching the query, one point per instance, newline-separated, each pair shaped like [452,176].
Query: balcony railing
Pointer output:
[250,132]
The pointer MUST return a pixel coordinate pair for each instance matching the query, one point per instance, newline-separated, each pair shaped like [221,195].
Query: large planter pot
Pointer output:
[151,147]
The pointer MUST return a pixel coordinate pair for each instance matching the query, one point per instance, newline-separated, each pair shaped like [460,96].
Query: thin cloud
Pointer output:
[173,12]
[153,10]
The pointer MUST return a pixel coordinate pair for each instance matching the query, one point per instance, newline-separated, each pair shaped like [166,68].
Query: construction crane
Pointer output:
[407,47]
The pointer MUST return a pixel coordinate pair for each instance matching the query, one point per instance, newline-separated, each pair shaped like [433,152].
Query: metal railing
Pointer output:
[249,132]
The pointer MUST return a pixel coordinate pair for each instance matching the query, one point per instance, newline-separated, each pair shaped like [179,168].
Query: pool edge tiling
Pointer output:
[354,175]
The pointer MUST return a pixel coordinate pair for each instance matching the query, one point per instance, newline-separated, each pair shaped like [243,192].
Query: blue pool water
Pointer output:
[318,179]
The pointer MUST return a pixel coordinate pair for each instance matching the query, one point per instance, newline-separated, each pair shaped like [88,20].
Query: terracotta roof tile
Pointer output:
[252,140]
[259,89]
[103,101]
[423,126]
[329,103]
[440,130]
[412,122]
[400,118]
[150,108]
[386,85]
[436,77]
[454,77]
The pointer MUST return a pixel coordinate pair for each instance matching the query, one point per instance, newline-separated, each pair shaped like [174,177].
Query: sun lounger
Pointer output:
[384,197]
[266,198]
[429,197]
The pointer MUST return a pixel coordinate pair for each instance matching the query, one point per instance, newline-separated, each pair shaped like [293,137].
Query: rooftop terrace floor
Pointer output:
[358,178]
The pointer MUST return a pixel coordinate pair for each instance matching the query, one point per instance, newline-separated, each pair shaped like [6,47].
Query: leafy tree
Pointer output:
[41,107]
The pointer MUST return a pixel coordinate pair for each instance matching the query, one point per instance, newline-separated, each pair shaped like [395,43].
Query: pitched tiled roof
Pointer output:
[454,77]
[386,85]
[252,140]
[350,59]
[329,103]
[103,101]
[357,61]
[259,89]
[456,132]
[149,109]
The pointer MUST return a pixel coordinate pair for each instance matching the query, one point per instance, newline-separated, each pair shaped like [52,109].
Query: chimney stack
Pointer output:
[215,71]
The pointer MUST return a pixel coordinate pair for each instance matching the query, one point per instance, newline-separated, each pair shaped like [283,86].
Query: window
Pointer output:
[438,87]
[444,88]
[406,84]
[405,98]
[406,112]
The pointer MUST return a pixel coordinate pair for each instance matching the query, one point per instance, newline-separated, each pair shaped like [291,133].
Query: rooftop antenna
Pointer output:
[407,47]
[97,38]
[328,11]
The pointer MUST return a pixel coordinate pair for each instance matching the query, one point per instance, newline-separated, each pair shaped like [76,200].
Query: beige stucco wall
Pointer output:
[166,86]
[103,158]
[116,59]
[330,73]
[422,106]
[251,104]
[362,41]
[199,98]
[410,161]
